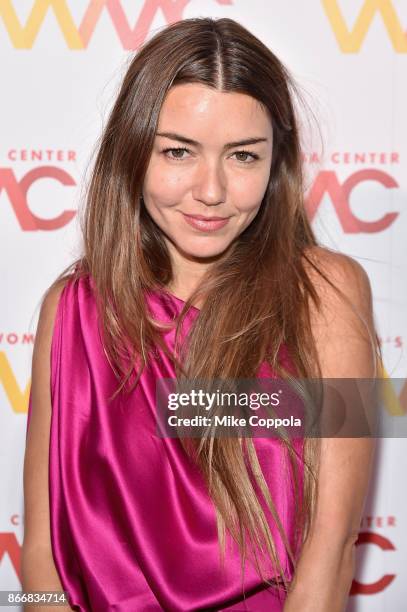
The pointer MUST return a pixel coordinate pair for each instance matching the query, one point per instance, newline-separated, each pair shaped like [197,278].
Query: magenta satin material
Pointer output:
[132,526]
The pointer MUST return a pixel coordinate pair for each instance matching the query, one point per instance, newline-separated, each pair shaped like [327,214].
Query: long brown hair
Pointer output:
[254,299]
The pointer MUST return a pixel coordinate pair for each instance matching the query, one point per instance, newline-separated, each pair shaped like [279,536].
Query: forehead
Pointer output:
[194,108]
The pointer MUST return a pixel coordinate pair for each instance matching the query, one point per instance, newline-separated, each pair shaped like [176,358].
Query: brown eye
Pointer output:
[177,151]
[253,156]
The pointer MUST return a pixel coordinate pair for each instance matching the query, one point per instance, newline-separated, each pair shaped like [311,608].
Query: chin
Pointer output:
[201,250]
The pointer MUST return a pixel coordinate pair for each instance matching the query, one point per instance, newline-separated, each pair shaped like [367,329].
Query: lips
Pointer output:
[203,218]
[205,224]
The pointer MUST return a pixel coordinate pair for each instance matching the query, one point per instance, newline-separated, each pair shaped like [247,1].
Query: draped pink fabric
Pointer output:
[132,525]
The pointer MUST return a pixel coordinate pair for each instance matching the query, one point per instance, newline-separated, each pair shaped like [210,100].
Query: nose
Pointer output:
[210,183]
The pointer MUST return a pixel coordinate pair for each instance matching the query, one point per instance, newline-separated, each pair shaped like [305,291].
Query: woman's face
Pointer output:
[211,157]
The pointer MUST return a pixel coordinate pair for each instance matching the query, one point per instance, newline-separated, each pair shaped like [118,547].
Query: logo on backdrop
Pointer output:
[350,41]
[78,37]
[17,396]
[371,588]
[327,182]
[17,192]
[9,545]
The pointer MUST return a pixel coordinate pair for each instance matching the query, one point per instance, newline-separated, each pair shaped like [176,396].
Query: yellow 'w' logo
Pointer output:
[350,41]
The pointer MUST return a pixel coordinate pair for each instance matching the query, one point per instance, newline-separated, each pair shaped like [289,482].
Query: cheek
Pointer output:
[249,207]
[248,190]
[159,196]
[248,201]
[163,183]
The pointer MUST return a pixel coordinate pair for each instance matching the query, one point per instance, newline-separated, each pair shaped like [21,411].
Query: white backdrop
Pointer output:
[61,63]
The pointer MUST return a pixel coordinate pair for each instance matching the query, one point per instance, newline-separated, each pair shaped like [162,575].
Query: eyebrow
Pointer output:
[229,145]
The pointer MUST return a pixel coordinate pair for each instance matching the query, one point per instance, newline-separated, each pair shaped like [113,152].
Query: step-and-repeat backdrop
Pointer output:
[61,62]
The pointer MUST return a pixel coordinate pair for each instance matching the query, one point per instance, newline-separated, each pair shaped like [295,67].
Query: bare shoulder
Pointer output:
[346,274]
[344,321]
[43,336]
[50,303]
[344,271]
[45,327]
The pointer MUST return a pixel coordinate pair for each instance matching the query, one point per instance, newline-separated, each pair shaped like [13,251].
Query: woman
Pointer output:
[198,262]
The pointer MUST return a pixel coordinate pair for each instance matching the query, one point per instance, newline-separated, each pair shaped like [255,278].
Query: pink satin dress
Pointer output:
[132,526]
